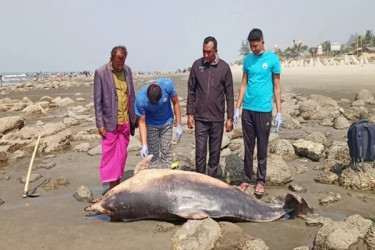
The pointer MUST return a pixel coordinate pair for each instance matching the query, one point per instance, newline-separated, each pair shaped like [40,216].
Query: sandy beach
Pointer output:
[56,220]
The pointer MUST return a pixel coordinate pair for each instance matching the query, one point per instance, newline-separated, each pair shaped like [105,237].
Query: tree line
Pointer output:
[298,49]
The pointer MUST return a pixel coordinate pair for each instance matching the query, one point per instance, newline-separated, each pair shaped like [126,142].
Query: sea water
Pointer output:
[15,78]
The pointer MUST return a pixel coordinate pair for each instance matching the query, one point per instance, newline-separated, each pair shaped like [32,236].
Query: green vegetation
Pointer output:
[355,44]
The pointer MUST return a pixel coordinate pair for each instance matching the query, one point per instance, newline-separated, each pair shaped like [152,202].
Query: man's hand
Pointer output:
[228,126]
[144,151]
[236,117]
[102,131]
[191,121]
[178,132]
[278,121]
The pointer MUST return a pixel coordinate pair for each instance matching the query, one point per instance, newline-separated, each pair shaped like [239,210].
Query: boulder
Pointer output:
[197,234]
[311,150]
[342,234]
[11,123]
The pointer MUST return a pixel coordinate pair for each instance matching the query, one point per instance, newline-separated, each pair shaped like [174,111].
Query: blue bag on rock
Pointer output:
[361,141]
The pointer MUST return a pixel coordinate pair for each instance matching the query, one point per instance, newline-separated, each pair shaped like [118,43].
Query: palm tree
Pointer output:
[326,47]
[245,48]
[368,39]
[313,51]
[297,46]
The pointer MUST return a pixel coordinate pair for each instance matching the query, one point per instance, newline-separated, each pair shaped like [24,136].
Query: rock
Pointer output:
[290,123]
[59,141]
[225,142]
[308,108]
[233,170]
[333,197]
[11,123]
[34,109]
[83,194]
[337,156]
[61,102]
[86,137]
[301,169]
[370,237]
[296,188]
[257,244]
[3,156]
[281,147]
[1,202]
[18,155]
[33,177]
[277,170]
[46,98]
[317,137]
[326,177]
[197,234]
[362,178]
[313,220]
[341,123]
[71,122]
[46,165]
[365,95]
[134,145]
[55,183]
[358,103]
[301,248]
[311,150]
[356,113]
[96,150]
[52,128]
[83,147]
[342,234]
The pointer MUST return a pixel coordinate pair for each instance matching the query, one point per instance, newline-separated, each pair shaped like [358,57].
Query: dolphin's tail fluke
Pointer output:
[295,205]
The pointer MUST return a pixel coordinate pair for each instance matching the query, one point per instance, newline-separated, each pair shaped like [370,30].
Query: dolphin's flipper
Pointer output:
[143,164]
[190,214]
[295,205]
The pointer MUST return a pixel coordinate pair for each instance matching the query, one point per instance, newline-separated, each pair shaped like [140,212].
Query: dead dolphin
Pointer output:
[174,194]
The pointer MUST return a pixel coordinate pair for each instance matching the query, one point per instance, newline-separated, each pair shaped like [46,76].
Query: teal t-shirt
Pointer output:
[259,88]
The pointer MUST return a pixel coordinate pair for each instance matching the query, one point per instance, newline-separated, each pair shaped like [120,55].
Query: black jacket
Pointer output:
[209,87]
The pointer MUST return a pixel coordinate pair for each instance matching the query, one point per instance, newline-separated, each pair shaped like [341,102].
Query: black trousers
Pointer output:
[256,125]
[213,131]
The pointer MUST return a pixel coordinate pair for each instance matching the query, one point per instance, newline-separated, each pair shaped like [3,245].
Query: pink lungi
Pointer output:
[114,153]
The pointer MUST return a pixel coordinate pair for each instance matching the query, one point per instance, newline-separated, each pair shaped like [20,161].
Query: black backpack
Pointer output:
[361,141]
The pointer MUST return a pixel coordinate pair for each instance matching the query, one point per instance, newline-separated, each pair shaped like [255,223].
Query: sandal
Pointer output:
[243,186]
[259,189]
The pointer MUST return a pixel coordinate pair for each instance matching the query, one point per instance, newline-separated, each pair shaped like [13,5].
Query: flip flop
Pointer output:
[259,189]
[243,186]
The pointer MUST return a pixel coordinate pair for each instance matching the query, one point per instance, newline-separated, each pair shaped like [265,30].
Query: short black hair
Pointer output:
[115,49]
[154,93]
[255,35]
[210,39]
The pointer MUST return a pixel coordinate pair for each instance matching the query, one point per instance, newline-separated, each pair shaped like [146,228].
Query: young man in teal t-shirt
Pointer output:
[260,82]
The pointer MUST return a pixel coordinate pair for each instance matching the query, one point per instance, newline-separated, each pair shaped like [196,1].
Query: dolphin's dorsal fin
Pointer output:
[143,164]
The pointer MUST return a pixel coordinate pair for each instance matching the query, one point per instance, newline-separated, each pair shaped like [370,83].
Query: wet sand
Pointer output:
[56,220]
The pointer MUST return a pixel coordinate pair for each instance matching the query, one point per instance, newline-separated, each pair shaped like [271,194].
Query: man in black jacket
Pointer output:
[210,86]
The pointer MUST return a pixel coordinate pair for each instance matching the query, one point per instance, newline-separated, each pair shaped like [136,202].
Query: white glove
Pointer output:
[236,117]
[144,151]
[178,132]
[278,121]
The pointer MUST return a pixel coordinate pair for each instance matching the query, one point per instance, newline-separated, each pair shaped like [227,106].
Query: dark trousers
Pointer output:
[213,131]
[256,125]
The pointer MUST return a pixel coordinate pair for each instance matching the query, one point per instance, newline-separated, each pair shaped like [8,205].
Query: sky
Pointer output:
[162,35]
